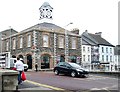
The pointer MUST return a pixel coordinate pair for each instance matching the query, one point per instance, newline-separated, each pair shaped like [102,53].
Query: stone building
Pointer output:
[4,34]
[44,43]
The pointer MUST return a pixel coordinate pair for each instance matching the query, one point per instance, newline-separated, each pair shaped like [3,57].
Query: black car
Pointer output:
[72,69]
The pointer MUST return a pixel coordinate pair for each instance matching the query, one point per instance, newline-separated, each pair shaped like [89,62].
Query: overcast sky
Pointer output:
[91,15]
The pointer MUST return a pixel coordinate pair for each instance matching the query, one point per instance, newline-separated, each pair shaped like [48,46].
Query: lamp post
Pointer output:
[10,38]
[54,48]
[66,43]
[1,42]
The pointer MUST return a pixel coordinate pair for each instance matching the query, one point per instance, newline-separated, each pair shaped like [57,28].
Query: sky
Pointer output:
[92,15]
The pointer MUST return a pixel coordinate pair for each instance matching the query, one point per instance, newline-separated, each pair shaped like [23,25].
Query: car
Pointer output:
[13,61]
[69,68]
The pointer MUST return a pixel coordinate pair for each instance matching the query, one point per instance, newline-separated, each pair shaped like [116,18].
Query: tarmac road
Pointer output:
[49,81]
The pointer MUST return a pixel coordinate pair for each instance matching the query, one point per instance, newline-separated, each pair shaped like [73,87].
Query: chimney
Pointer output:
[86,31]
[75,31]
[98,33]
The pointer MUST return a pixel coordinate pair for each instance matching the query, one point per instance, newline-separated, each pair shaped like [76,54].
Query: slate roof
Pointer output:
[100,40]
[49,27]
[8,32]
[94,39]
[44,25]
[117,50]
[86,41]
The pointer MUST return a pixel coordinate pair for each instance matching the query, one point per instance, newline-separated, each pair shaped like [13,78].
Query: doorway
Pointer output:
[29,61]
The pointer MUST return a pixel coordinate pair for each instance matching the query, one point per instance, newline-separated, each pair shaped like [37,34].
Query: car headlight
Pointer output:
[86,70]
[79,70]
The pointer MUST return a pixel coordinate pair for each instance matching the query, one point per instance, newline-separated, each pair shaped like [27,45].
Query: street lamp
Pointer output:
[66,43]
[10,38]
[1,42]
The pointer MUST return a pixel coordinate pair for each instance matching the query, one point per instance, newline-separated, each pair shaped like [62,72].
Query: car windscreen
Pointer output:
[75,65]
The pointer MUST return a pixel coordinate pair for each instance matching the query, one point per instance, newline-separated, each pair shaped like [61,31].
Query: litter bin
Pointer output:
[8,80]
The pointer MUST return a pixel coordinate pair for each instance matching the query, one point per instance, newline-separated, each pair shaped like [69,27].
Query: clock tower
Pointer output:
[46,11]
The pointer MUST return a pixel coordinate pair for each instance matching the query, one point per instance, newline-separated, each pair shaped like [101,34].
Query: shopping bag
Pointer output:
[23,76]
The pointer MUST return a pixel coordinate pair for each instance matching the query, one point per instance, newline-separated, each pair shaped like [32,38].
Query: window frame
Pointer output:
[47,42]
[83,48]
[73,43]
[14,43]
[21,42]
[7,45]
[29,40]
[102,49]
[61,44]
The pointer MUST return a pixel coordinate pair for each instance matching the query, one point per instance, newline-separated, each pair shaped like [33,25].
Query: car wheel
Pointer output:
[73,73]
[87,75]
[56,72]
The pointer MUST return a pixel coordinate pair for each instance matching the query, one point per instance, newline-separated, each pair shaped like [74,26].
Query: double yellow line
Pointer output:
[43,85]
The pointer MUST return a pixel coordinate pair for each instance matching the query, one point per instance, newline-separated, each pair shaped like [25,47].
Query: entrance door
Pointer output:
[62,58]
[29,61]
[45,61]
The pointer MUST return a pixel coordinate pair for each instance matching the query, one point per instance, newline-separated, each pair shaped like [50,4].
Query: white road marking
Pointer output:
[95,89]
[44,85]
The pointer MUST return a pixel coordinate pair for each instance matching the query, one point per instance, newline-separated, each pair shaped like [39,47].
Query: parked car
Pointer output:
[72,69]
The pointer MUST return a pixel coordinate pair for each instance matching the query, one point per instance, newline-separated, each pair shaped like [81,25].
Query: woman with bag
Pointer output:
[20,68]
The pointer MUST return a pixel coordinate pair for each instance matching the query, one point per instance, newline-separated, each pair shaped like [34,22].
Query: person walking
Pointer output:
[36,67]
[20,68]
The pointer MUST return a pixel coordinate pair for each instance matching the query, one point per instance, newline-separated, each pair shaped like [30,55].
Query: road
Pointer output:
[93,82]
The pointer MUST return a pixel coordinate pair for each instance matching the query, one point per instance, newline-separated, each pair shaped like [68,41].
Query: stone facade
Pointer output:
[46,57]
[5,33]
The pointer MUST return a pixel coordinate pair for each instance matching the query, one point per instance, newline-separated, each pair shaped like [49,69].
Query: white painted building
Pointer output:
[102,52]
[106,57]
[86,56]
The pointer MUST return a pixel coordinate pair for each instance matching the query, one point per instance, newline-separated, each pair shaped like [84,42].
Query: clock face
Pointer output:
[48,13]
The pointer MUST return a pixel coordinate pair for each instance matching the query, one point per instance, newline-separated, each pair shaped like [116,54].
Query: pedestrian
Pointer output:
[20,68]
[36,67]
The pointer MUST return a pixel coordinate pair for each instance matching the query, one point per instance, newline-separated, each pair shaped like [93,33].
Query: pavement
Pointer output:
[31,86]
